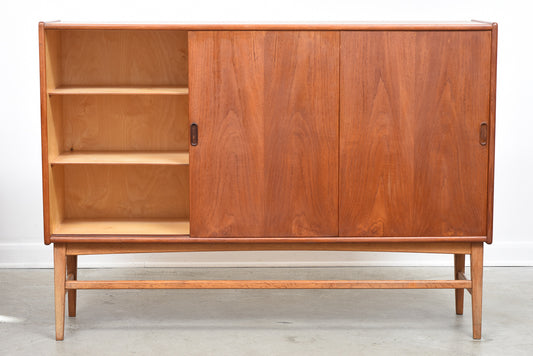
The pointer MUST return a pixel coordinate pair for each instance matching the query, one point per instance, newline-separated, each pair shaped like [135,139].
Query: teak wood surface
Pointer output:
[412,104]
[266,105]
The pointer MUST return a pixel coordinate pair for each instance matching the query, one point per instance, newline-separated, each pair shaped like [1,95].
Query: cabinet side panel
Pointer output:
[44,134]
[226,85]
[411,108]
[301,133]
[492,130]
[52,132]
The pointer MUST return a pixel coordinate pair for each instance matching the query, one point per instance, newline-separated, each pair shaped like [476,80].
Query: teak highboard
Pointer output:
[226,137]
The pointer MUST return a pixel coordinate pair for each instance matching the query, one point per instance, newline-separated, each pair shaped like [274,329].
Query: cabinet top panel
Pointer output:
[358,25]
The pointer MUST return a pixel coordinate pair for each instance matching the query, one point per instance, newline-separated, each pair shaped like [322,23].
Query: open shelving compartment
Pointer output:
[117,119]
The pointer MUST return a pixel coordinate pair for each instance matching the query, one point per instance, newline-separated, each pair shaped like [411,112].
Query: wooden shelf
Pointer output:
[118,90]
[117,157]
[130,226]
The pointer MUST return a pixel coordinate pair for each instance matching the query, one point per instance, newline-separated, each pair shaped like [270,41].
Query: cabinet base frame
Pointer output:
[65,271]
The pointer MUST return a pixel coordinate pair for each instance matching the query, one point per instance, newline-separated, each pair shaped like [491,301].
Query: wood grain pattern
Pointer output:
[124,227]
[120,123]
[272,284]
[301,133]
[123,158]
[121,57]
[226,101]
[107,191]
[119,90]
[411,163]
[280,26]
[79,247]
[266,104]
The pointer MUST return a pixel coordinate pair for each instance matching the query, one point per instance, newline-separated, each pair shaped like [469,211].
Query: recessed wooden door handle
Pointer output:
[194,134]
[483,133]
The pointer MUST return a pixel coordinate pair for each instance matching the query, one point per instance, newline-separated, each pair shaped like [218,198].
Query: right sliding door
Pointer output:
[414,109]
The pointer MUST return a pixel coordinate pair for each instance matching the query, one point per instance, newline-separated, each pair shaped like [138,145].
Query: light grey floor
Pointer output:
[267,322]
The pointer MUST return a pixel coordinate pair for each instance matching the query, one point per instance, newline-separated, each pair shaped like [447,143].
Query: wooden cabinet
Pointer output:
[348,137]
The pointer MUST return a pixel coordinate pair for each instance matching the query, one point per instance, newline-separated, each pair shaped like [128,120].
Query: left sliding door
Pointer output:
[266,107]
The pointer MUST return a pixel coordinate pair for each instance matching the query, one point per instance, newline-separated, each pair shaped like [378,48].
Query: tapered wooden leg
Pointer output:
[459,267]
[476,271]
[72,271]
[60,268]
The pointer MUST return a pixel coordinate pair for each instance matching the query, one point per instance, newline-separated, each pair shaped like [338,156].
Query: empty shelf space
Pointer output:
[119,90]
[130,226]
[129,157]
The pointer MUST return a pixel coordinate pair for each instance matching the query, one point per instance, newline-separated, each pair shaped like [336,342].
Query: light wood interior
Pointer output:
[123,157]
[57,196]
[118,123]
[123,227]
[119,90]
[121,58]
[118,132]
[120,199]
[126,191]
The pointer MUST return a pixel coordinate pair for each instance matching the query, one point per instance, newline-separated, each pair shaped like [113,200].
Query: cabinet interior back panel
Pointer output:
[125,122]
[106,191]
[123,57]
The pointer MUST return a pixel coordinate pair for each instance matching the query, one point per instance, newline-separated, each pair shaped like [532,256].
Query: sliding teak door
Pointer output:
[413,119]
[266,107]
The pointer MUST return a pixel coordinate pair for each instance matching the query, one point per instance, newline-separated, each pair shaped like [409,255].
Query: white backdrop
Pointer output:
[20,167]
